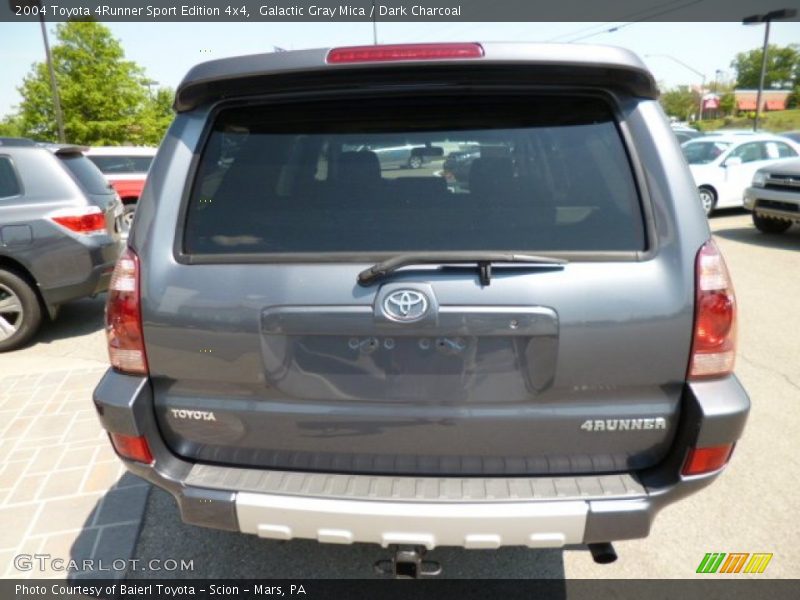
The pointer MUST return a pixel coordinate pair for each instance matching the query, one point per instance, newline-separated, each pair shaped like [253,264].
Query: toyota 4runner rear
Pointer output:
[307,342]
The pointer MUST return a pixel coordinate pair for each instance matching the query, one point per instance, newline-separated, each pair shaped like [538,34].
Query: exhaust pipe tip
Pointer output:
[603,553]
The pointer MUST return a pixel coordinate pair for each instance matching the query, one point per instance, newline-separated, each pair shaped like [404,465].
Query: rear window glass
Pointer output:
[86,174]
[415,174]
[9,185]
[122,164]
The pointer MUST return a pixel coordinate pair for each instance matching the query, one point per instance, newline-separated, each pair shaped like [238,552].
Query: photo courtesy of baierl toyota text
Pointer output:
[300,298]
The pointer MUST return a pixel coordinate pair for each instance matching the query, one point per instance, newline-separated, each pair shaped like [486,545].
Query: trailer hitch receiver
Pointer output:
[408,563]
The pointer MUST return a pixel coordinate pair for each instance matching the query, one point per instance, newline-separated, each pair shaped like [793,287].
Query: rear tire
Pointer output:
[708,199]
[128,210]
[415,162]
[768,225]
[20,311]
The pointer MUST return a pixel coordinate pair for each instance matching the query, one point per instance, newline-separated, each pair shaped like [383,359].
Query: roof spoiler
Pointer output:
[62,149]
[564,65]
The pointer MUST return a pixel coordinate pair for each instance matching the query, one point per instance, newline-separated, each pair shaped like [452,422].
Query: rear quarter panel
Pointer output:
[52,256]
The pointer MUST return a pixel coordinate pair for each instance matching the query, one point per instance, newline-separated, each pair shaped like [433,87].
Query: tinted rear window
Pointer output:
[122,164]
[9,184]
[86,174]
[415,174]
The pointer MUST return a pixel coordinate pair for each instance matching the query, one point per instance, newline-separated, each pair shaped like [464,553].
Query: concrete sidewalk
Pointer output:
[63,491]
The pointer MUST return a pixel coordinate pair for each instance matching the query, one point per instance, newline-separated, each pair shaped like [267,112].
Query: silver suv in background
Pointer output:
[774,196]
[60,224]
[307,345]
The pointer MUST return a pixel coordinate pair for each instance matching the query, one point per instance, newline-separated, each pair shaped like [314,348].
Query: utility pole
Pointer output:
[53,85]
[775,15]
[36,5]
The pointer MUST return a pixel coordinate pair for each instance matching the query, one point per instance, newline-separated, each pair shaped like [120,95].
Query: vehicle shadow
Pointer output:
[108,536]
[74,319]
[222,554]
[790,240]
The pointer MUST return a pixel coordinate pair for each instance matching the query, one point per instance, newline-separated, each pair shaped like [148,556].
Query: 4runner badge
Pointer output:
[196,415]
[623,424]
[405,305]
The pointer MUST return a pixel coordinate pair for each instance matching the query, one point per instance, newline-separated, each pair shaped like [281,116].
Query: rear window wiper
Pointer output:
[483,260]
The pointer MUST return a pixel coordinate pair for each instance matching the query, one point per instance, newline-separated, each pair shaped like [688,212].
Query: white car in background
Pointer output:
[723,165]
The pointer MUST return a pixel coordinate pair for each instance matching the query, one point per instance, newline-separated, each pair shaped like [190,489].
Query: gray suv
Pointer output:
[60,227]
[774,196]
[307,345]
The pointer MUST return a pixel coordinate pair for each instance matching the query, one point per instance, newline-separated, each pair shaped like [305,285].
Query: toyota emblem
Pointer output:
[405,305]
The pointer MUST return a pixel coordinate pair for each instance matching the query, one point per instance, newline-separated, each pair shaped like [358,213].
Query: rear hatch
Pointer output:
[95,186]
[265,350]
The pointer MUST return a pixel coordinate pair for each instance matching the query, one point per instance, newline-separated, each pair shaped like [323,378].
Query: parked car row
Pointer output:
[60,230]
[723,165]
[64,212]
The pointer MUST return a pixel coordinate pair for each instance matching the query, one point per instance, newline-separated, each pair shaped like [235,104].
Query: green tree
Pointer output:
[103,97]
[727,103]
[11,126]
[793,101]
[155,117]
[783,67]
[681,102]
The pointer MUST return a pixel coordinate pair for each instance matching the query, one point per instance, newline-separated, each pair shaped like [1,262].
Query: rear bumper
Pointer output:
[466,512]
[469,525]
[102,255]
[773,203]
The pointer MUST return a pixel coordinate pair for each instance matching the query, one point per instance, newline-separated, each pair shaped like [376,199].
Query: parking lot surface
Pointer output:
[63,491]
[749,509]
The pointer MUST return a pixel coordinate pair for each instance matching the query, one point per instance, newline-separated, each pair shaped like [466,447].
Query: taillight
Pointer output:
[132,447]
[85,221]
[707,460]
[124,317]
[390,52]
[714,341]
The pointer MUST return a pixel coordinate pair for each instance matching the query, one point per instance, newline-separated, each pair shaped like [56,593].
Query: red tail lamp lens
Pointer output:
[90,221]
[714,340]
[707,460]
[132,447]
[124,318]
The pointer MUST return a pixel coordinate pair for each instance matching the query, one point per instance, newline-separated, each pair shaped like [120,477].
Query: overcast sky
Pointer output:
[168,50]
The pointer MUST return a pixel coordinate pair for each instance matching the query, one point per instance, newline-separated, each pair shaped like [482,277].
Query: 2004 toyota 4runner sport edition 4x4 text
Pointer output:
[307,345]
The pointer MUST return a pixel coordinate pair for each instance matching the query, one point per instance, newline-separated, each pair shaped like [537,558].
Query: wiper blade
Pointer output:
[483,260]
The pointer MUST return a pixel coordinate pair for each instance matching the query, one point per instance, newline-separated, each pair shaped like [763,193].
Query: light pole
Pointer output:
[693,70]
[149,83]
[767,18]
